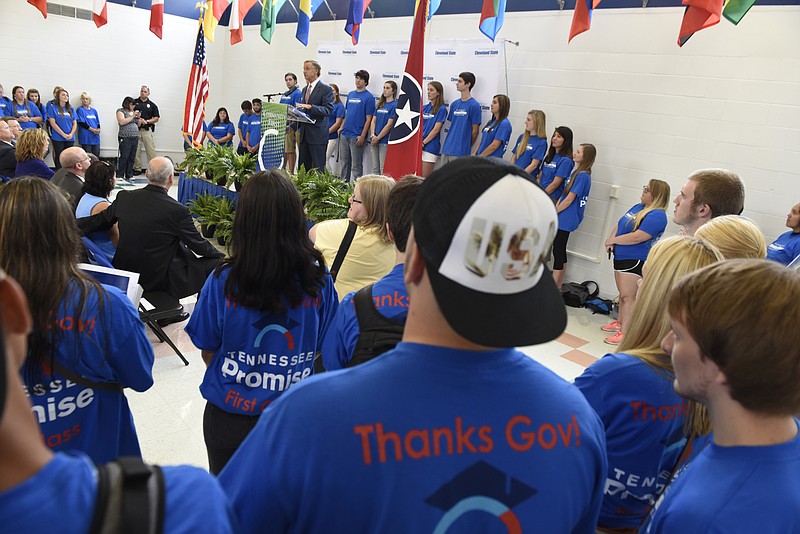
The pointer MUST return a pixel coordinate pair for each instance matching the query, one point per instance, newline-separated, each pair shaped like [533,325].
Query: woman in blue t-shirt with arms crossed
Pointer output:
[434,115]
[557,164]
[497,131]
[532,145]
[571,206]
[630,241]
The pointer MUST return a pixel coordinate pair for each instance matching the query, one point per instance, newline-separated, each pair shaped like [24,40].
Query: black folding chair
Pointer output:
[165,306]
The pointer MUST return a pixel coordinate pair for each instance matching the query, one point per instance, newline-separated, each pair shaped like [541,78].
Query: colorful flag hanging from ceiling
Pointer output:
[307,10]
[197,92]
[157,17]
[433,7]
[239,10]
[492,14]
[699,14]
[404,154]
[355,17]
[269,18]
[735,10]
[41,5]
[582,17]
[100,13]
[214,11]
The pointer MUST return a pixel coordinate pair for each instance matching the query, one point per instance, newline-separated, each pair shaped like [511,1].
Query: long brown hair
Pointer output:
[504,105]
[382,101]
[439,102]
[589,155]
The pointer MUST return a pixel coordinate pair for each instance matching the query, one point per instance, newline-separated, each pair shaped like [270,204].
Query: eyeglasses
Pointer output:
[354,201]
[646,188]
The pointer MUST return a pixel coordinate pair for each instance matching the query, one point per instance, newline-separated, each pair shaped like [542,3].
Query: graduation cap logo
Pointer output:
[264,326]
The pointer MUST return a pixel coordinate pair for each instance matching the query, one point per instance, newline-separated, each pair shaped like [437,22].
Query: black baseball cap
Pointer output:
[485,230]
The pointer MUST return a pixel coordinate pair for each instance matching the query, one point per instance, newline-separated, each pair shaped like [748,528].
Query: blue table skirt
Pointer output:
[189,188]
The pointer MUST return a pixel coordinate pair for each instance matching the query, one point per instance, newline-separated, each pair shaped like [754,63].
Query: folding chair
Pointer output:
[165,306]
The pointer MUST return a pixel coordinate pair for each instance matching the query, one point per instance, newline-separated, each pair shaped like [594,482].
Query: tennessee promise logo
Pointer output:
[281,329]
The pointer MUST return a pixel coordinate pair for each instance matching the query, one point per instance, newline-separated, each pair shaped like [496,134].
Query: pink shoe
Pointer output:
[616,339]
[613,326]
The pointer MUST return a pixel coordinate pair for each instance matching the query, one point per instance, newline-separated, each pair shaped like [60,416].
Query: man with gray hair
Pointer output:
[69,178]
[157,236]
[708,193]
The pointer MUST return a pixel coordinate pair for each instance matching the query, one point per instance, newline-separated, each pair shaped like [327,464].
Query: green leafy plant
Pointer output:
[221,210]
[234,168]
[325,195]
[202,205]
[224,231]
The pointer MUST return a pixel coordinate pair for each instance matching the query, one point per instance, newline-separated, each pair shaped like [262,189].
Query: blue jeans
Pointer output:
[351,156]
[127,155]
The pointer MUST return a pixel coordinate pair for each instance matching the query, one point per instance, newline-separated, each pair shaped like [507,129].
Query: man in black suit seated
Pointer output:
[157,236]
[8,161]
[317,103]
[74,164]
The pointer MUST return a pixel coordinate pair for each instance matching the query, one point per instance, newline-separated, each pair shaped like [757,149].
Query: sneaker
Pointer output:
[613,326]
[616,339]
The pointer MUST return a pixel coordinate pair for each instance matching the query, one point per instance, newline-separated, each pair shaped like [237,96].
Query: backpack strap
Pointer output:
[83,381]
[130,498]
[377,333]
[344,246]
[592,287]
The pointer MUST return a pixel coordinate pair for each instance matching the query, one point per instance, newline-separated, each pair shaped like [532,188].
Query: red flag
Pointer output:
[404,154]
[582,17]
[100,13]
[699,14]
[197,93]
[157,17]
[237,18]
[41,5]
[355,17]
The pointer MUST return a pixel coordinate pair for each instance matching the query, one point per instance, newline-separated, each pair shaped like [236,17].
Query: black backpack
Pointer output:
[130,498]
[576,295]
[378,334]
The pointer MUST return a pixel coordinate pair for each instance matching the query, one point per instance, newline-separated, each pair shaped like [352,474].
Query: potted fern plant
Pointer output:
[325,195]
[202,206]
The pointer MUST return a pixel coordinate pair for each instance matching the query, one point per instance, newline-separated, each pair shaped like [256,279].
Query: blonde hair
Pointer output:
[374,192]
[87,96]
[667,262]
[735,237]
[32,144]
[660,191]
[539,121]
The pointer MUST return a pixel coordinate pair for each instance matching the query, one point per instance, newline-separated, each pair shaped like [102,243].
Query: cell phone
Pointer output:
[609,254]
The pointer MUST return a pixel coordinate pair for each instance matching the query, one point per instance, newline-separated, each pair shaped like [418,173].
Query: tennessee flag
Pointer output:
[492,14]
[307,10]
[100,13]
[404,154]
[582,17]
[157,17]
[212,15]
[41,5]
[699,14]
[355,17]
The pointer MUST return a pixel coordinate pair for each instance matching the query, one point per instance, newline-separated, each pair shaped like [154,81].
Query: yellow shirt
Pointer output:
[368,259]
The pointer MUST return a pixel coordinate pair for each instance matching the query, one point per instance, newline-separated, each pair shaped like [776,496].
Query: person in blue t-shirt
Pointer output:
[648,426]
[63,126]
[241,126]
[220,130]
[335,122]
[26,112]
[532,144]
[360,108]
[33,96]
[733,345]
[43,491]
[381,126]
[630,242]
[261,315]
[291,97]
[453,430]
[571,206]
[787,247]
[434,114]
[389,293]
[497,131]
[5,105]
[465,120]
[88,341]
[557,164]
[253,134]
[88,125]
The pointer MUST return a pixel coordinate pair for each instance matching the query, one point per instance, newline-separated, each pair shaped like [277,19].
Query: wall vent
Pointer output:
[68,11]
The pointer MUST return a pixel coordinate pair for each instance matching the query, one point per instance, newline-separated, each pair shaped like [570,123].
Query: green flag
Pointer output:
[269,17]
[735,10]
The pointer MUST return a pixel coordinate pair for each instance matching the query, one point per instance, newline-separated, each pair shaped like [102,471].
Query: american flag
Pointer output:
[197,93]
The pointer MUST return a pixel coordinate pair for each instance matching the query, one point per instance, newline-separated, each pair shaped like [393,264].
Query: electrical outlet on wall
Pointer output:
[614,193]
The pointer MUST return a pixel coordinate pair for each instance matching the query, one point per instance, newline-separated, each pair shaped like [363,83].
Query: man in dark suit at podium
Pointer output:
[317,103]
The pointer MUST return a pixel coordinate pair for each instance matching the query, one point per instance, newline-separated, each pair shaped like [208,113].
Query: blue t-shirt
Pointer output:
[534,150]
[570,218]
[429,120]
[424,438]
[257,354]
[254,130]
[5,107]
[784,249]
[291,98]
[501,132]
[61,497]
[26,109]
[101,239]
[391,300]
[560,166]
[221,130]
[360,104]
[337,113]
[92,119]
[243,125]
[463,115]
[382,117]
[654,224]
[63,117]
[734,489]
[103,346]
[643,418]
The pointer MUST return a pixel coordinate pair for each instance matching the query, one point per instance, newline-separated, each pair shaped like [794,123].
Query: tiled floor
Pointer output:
[169,417]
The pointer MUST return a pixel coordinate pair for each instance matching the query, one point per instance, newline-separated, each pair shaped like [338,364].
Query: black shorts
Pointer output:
[629,266]
[560,250]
